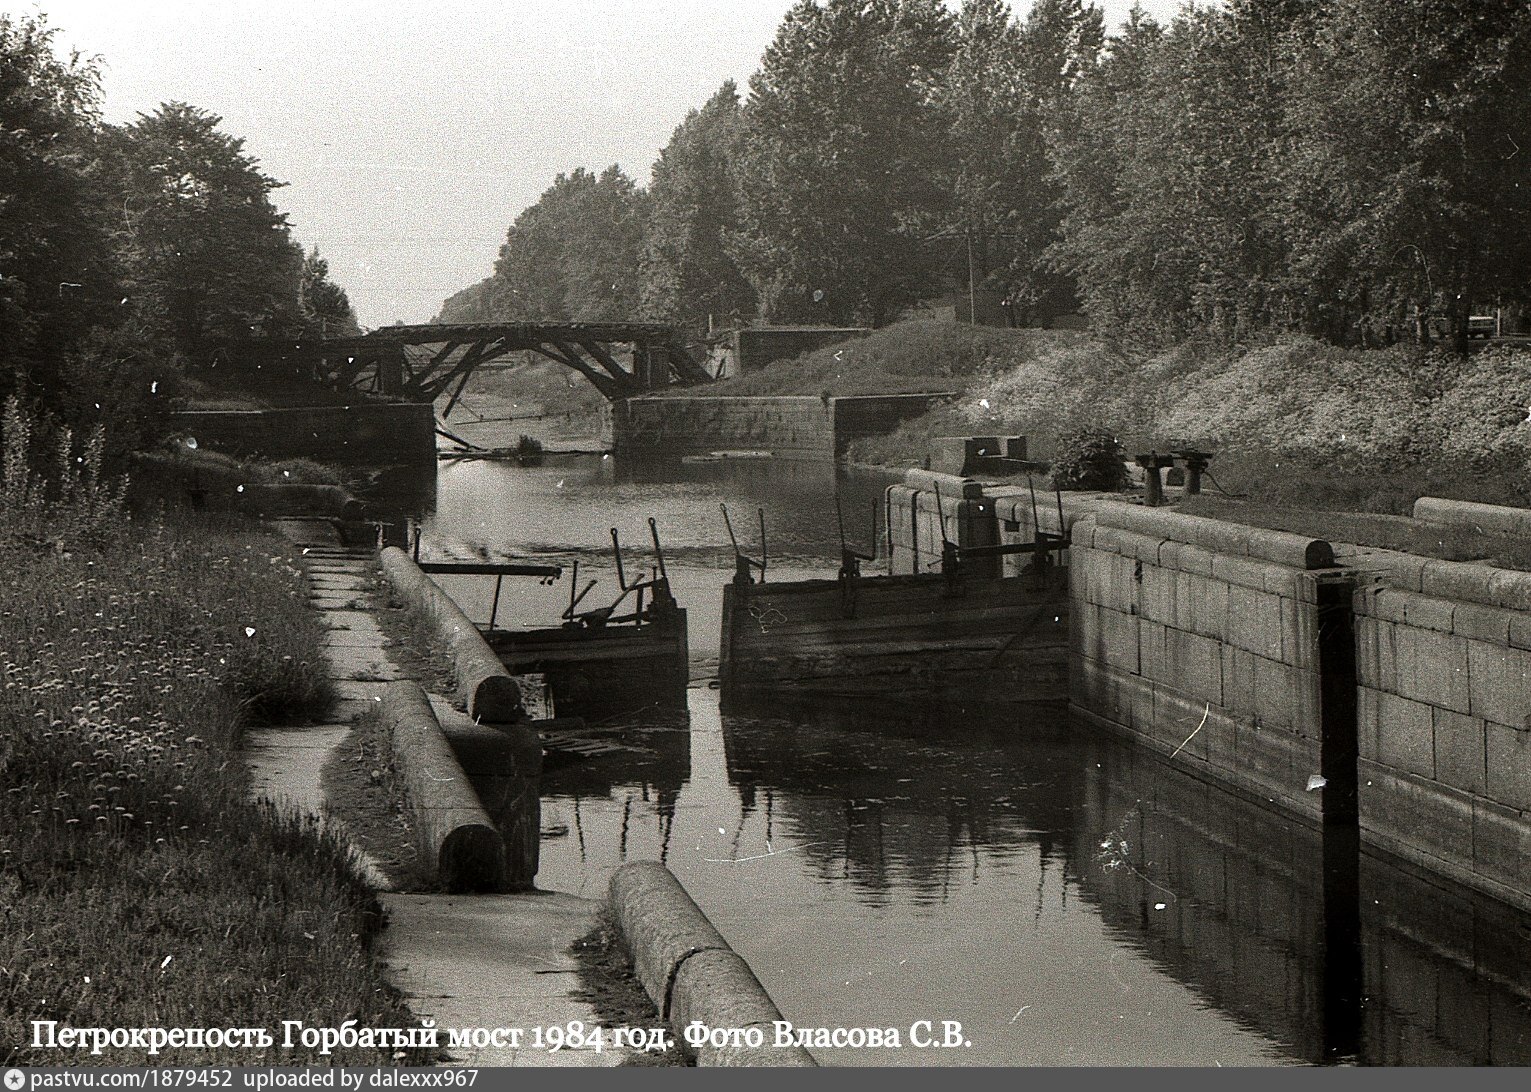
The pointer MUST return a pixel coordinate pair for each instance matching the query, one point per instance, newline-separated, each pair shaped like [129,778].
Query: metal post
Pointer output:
[494,608]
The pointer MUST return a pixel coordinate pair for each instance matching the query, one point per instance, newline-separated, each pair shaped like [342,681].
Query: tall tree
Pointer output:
[58,274]
[325,307]
[1408,191]
[574,254]
[688,274]
[1001,95]
[1169,164]
[841,173]
[203,232]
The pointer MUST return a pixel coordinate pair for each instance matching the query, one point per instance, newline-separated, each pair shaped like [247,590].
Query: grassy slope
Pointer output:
[1294,422]
[911,356]
[138,886]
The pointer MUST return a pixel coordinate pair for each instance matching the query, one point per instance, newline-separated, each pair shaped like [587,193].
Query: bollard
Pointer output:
[1152,463]
[1195,465]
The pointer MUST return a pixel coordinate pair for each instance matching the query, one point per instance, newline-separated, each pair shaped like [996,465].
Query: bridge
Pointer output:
[421,363]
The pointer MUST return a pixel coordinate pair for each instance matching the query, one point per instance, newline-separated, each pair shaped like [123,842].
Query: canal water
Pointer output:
[1065,898]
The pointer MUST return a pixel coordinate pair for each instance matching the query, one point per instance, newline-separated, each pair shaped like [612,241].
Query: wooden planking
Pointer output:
[1001,641]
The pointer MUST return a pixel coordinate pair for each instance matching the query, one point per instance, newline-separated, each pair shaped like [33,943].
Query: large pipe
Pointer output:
[491,694]
[456,839]
[689,971]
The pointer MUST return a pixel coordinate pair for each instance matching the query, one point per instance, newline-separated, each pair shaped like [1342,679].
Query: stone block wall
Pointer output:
[1199,639]
[926,503]
[1021,516]
[1444,696]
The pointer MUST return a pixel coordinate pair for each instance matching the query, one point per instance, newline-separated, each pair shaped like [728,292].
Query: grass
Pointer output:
[909,357]
[139,884]
[535,388]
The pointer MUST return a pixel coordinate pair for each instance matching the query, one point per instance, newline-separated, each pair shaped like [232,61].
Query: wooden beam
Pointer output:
[606,360]
[603,383]
[451,402]
[433,386]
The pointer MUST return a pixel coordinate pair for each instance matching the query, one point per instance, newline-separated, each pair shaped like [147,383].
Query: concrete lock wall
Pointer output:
[363,432]
[806,426]
[1444,693]
[689,971]
[1199,640]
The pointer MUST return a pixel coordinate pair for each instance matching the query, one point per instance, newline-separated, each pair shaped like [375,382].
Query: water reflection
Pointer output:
[1068,898]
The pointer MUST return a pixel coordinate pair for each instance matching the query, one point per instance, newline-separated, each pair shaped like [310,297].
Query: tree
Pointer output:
[841,178]
[325,307]
[688,274]
[574,254]
[1408,194]
[1001,95]
[58,276]
[201,229]
[1170,168]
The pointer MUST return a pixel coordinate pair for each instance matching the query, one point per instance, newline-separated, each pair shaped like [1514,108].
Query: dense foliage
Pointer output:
[128,252]
[1349,170]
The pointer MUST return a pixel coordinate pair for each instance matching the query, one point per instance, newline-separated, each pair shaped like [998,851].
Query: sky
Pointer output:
[412,133]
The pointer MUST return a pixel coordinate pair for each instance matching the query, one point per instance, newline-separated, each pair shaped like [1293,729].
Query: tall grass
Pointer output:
[139,885]
[79,502]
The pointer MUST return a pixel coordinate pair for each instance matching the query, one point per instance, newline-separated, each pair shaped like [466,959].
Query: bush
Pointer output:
[1090,459]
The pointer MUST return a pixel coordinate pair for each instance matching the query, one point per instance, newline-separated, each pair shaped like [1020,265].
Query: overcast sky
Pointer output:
[411,134]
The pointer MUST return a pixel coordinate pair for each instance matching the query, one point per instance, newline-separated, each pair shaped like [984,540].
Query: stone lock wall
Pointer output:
[1198,639]
[1201,640]
[919,508]
[1444,695]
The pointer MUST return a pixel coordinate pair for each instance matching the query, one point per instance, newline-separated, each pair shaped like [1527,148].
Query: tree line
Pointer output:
[1352,169]
[129,250]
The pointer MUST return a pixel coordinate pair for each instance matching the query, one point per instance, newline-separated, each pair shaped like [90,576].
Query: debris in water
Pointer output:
[1316,781]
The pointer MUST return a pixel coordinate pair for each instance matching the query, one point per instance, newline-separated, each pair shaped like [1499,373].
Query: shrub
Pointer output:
[1090,459]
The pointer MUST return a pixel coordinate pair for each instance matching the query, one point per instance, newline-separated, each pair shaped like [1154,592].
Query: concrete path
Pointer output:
[466,961]
[494,961]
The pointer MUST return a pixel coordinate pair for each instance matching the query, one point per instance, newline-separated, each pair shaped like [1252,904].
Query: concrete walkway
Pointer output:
[466,961]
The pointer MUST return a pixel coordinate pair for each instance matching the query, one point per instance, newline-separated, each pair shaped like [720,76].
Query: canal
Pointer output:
[1067,899]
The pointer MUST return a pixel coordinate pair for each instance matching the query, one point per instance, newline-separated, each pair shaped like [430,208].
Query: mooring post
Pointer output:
[1195,464]
[1152,463]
